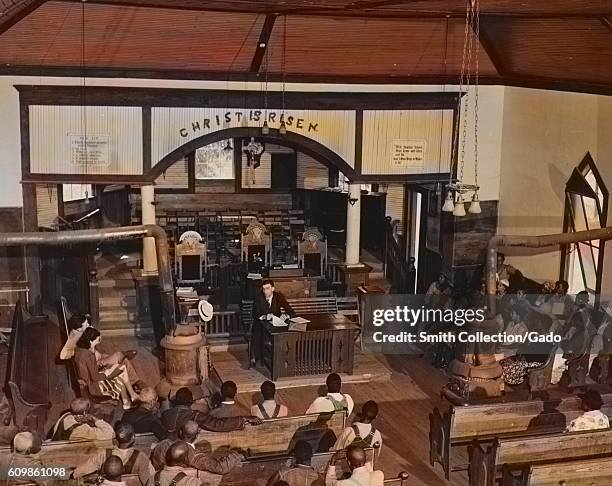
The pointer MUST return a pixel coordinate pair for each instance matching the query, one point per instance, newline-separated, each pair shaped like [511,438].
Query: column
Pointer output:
[149,257]
[353,223]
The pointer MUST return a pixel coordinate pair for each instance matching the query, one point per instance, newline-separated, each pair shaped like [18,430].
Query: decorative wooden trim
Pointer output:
[191,172]
[24,125]
[36,178]
[168,97]
[607,22]
[146,138]
[262,43]
[237,163]
[358,140]
[428,178]
[293,140]
[60,200]
[519,81]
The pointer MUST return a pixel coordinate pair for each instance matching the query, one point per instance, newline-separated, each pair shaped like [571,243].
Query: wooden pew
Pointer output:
[277,435]
[29,369]
[518,454]
[590,472]
[459,426]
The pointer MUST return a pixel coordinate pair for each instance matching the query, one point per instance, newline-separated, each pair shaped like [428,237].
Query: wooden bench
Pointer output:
[277,435]
[515,456]
[30,361]
[590,472]
[274,436]
[459,426]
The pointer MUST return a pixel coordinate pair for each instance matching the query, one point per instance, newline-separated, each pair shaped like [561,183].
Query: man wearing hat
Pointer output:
[593,418]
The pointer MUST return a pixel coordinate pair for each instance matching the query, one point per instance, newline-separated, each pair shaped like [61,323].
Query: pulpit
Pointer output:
[256,245]
[312,252]
[190,258]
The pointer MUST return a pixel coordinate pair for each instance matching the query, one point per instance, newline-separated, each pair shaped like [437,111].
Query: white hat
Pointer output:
[205,309]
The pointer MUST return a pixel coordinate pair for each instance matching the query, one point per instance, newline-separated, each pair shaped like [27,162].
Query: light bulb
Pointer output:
[283,128]
[449,205]
[475,205]
[265,130]
[459,207]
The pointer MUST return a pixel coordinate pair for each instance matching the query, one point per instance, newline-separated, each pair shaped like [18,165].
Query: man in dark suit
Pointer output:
[268,302]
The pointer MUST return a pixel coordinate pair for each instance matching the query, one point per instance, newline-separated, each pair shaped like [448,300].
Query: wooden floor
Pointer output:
[406,396]
[232,365]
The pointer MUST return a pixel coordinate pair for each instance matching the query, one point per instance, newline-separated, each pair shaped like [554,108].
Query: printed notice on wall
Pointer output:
[408,154]
[89,149]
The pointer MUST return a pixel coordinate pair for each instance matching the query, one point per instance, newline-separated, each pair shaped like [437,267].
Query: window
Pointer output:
[586,208]
[215,161]
[76,192]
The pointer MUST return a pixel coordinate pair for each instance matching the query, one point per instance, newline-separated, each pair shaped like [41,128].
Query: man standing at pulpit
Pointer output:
[267,303]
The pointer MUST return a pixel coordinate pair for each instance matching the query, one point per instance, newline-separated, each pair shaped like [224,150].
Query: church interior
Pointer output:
[207,207]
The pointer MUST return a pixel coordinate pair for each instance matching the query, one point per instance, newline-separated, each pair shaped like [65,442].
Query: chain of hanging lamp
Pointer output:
[471,32]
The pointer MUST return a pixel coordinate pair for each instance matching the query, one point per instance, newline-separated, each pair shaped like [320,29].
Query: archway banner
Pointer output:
[173,127]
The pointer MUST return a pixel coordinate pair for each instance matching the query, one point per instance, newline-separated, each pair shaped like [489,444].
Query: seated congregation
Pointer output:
[187,442]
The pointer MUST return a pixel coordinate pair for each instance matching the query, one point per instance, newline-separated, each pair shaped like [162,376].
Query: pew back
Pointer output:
[29,377]
[591,472]
[517,455]
[461,425]
[555,447]
[277,435]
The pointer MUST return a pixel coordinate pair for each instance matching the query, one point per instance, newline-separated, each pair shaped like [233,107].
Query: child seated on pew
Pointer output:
[362,432]
[335,400]
[269,408]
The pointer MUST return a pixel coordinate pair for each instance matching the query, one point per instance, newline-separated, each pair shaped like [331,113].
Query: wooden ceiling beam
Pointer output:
[491,50]
[262,43]
[345,12]
[18,14]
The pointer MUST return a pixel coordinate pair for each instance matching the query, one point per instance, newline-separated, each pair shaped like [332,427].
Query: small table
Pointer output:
[327,346]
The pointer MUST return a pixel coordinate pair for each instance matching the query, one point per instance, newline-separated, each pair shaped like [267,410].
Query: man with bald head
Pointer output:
[111,472]
[80,424]
[173,473]
[133,460]
[361,471]
[25,445]
[146,416]
[199,454]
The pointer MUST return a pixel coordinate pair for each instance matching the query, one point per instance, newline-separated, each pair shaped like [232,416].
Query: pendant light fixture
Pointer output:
[470,58]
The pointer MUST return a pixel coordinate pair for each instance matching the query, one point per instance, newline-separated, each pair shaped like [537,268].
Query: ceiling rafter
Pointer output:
[18,12]
[262,43]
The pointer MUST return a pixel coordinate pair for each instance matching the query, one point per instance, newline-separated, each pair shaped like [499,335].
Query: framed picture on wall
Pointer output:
[215,161]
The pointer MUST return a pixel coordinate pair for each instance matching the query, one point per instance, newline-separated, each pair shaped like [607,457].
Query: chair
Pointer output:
[190,258]
[312,251]
[256,245]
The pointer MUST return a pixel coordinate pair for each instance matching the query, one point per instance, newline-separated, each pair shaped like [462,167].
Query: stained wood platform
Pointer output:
[232,365]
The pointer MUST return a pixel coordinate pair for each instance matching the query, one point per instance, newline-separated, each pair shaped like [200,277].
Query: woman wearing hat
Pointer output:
[593,418]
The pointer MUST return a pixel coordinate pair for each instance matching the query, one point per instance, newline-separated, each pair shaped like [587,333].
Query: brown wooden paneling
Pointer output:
[221,201]
[129,36]
[580,49]
[401,47]
[215,186]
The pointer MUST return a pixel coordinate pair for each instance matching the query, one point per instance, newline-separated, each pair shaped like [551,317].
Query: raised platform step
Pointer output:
[117,314]
[119,283]
[233,366]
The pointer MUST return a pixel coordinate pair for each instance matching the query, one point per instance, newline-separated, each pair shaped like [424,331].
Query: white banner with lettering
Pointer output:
[173,127]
